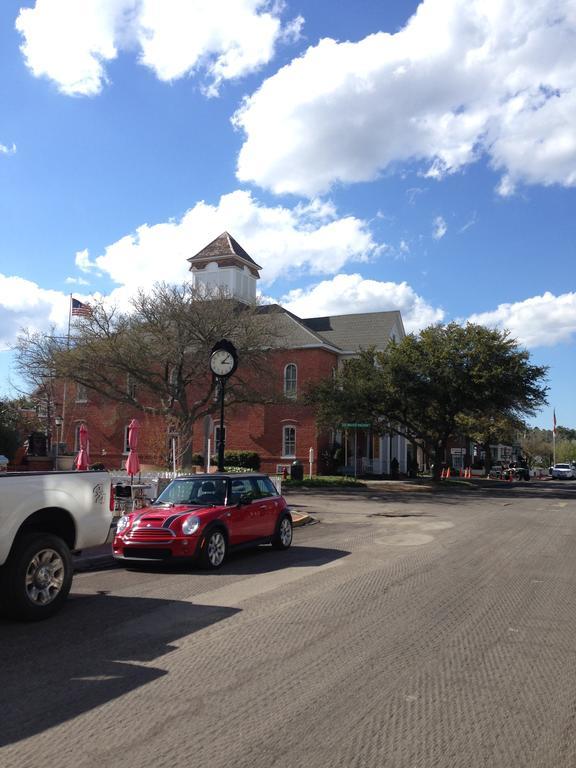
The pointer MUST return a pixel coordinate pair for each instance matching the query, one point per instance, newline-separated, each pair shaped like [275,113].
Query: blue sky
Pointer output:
[369,155]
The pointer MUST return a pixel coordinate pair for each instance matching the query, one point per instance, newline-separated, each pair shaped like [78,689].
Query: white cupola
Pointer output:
[223,263]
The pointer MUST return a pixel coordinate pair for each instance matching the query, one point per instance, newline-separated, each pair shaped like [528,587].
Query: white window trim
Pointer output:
[293,393]
[284,454]
[81,393]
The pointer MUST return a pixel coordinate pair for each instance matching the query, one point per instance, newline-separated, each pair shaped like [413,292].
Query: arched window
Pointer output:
[288,442]
[290,380]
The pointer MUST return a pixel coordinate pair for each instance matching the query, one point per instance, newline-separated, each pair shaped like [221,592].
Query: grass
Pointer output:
[323,481]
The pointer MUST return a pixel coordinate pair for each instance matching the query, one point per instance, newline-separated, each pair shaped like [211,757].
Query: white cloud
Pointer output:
[463,78]
[307,239]
[6,150]
[439,228]
[352,294]
[71,41]
[541,321]
[24,303]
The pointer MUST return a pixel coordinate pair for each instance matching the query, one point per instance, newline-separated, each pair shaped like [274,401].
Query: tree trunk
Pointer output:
[488,457]
[186,430]
[437,454]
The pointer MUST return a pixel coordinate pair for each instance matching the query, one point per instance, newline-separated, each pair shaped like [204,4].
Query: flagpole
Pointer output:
[554,441]
[65,388]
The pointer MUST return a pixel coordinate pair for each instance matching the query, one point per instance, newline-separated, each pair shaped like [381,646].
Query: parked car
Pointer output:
[203,517]
[44,517]
[563,472]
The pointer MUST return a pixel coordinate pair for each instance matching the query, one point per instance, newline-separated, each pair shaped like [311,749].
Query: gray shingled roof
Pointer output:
[290,330]
[223,246]
[352,332]
[344,333]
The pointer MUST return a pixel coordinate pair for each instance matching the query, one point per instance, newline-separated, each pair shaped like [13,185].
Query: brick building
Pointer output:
[309,351]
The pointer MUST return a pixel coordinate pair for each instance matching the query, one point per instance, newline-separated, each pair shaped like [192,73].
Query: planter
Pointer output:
[65,462]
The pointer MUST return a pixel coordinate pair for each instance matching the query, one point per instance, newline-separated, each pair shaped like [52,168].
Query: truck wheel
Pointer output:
[37,577]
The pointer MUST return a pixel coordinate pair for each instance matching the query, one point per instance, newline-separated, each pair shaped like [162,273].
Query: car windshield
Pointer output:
[562,466]
[189,490]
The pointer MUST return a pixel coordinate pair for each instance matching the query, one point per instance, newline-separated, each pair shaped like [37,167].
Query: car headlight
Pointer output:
[122,524]
[190,525]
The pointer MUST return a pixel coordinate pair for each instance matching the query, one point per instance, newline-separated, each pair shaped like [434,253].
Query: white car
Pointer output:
[563,472]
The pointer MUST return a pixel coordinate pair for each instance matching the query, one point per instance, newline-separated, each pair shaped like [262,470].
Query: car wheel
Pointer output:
[214,549]
[282,538]
[37,577]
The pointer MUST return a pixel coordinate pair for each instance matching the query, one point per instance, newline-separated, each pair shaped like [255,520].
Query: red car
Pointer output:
[204,517]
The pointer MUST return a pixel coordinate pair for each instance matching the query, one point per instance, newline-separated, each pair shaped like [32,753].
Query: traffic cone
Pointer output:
[443,475]
[447,472]
[469,473]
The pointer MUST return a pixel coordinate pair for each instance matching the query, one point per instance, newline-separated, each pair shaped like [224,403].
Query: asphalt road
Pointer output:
[404,630]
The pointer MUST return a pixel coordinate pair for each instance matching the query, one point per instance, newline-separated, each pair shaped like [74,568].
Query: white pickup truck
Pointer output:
[44,517]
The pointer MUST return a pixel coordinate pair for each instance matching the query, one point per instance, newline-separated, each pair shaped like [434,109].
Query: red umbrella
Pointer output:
[133,462]
[82,460]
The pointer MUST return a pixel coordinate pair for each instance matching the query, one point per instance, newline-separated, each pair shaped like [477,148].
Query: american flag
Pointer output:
[79,309]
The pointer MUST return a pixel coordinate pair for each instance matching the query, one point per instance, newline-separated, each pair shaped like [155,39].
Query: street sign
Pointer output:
[354,425]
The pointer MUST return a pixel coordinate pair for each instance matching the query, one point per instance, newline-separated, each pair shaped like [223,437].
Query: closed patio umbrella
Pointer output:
[82,459]
[133,462]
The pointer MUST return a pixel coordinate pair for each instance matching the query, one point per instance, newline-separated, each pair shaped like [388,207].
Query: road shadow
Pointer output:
[90,653]
[251,561]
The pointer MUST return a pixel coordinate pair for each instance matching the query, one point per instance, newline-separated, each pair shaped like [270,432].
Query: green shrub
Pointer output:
[245,459]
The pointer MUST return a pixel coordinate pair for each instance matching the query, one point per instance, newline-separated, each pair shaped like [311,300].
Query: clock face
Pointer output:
[221,362]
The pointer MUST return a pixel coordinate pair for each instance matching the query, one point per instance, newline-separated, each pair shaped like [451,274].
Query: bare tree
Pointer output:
[155,358]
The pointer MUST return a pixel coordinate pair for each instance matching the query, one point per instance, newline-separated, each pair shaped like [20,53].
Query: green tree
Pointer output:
[425,385]
[155,358]
[18,418]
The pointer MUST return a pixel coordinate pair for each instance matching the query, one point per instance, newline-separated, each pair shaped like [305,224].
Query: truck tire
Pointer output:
[37,577]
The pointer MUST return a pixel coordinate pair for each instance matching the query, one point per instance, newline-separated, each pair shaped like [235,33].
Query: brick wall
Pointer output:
[248,427]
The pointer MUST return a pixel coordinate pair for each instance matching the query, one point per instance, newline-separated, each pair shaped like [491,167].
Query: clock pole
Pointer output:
[221,440]
[223,363]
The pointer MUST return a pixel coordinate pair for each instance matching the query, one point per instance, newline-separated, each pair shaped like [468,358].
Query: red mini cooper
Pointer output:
[204,517]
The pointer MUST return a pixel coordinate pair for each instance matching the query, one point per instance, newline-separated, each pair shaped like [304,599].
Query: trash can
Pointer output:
[297,470]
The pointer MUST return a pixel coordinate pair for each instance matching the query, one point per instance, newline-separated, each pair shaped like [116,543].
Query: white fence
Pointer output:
[139,490]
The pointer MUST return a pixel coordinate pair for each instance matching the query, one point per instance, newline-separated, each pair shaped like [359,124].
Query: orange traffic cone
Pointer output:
[443,475]
[447,472]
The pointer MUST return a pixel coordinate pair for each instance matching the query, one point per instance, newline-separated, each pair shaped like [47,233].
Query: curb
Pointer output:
[301,518]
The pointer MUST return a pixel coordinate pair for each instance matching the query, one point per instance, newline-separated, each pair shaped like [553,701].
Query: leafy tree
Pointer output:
[425,385]
[155,358]
[539,444]
[18,417]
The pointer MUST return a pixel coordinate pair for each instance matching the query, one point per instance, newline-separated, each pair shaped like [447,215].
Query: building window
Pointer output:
[81,393]
[131,387]
[77,437]
[126,448]
[290,380]
[288,442]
